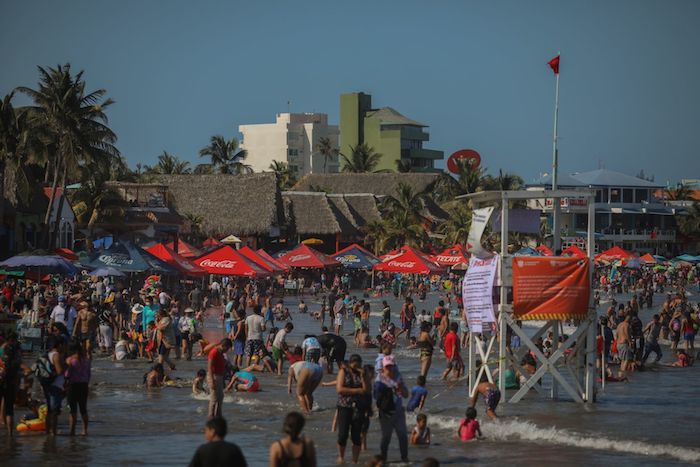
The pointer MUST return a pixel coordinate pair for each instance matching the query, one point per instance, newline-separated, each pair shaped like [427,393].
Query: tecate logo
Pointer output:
[226,264]
[299,257]
[402,264]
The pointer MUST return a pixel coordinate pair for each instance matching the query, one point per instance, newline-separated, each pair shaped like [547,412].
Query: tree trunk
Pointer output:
[2,199]
[49,208]
[57,221]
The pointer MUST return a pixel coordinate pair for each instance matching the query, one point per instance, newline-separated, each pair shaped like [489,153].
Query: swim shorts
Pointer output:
[252,347]
[492,398]
[277,353]
[624,353]
[313,355]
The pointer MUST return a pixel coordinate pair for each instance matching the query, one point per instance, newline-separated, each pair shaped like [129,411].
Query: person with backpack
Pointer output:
[389,391]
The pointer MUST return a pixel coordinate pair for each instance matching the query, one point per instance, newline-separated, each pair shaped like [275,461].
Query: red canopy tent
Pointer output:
[410,261]
[252,255]
[175,260]
[648,258]
[226,261]
[573,250]
[451,256]
[613,253]
[184,249]
[211,241]
[266,256]
[544,250]
[304,256]
[67,253]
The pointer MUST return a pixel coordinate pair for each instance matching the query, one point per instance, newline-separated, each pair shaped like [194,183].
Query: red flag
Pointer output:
[554,64]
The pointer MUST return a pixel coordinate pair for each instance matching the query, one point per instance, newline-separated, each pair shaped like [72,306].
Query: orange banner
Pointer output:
[550,288]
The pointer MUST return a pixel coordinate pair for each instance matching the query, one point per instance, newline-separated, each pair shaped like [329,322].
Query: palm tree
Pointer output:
[170,165]
[406,205]
[362,159]
[326,149]
[196,222]
[285,177]
[225,156]
[73,125]
[456,227]
[470,179]
[203,169]
[503,182]
[689,224]
[376,235]
[404,165]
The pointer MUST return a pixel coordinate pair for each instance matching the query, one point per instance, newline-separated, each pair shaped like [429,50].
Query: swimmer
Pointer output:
[491,396]
[198,386]
[308,376]
[420,436]
[264,363]
[156,377]
[469,428]
[243,381]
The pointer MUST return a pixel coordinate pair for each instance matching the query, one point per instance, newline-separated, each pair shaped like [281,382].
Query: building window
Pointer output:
[598,196]
[615,195]
[641,195]
[293,152]
[628,195]
[604,195]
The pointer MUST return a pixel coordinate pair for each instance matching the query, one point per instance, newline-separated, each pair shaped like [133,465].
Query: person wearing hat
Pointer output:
[389,391]
[188,327]
[58,314]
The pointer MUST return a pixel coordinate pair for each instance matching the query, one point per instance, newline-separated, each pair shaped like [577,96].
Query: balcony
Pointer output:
[421,154]
[640,235]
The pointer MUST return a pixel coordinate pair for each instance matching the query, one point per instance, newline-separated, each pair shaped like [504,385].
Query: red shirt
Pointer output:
[218,361]
[451,344]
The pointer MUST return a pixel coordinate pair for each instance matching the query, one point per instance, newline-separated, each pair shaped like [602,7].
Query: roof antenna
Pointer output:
[289,107]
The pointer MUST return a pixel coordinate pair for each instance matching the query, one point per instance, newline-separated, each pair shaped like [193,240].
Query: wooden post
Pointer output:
[502,307]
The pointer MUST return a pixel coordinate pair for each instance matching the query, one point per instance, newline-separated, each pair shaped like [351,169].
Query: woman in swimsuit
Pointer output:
[425,344]
[293,450]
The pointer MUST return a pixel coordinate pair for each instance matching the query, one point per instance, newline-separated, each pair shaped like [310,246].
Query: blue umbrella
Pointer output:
[107,272]
[127,257]
[49,264]
[527,251]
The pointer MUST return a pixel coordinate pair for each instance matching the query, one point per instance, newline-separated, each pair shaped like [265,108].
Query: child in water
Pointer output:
[156,377]
[418,395]
[198,386]
[420,436]
[469,427]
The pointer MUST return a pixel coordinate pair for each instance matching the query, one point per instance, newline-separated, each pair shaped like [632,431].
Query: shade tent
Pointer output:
[451,256]
[252,255]
[613,253]
[687,258]
[356,257]
[66,253]
[410,261]
[231,239]
[226,261]
[267,257]
[127,257]
[184,249]
[544,250]
[183,265]
[304,256]
[211,241]
[575,251]
[648,258]
[47,264]
[106,272]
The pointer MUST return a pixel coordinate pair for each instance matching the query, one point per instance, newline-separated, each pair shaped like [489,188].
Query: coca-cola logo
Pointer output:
[116,259]
[224,264]
[402,264]
[299,257]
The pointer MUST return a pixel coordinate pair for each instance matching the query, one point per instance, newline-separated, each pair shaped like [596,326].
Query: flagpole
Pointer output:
[556,241]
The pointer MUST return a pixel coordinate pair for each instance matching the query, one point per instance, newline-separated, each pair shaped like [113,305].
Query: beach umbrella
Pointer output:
[356,257]
[303,256]
[312,241]
[66,253]
[183,265]
[451,256]
[687,258]
[128,257]
[184,249]
[47,264]
[226,261]
[231,239]
[211,241]
[410,261]
[265,255]
[106,271]
[648,259]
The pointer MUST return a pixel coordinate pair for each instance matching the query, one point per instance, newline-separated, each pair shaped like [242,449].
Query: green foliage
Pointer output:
[225,156]
[362,159]
[285,177]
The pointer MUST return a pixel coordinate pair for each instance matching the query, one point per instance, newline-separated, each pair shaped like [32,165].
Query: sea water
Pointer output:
[651,420]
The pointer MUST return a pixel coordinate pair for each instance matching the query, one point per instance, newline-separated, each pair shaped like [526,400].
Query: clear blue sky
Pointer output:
[475,71]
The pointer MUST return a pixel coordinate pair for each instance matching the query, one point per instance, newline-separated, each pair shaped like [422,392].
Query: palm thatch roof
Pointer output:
[378,184]
[363,207]
[347,222]
[228,204]
[311,213]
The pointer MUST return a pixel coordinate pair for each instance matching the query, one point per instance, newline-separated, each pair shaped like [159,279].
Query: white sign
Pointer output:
[480,217]
[477,292]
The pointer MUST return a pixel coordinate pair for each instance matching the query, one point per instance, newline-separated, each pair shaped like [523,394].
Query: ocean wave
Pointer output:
[508,430]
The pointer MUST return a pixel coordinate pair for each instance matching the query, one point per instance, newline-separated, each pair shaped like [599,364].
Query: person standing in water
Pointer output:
[216,369]
[294,450]
[216,452]
[307,376]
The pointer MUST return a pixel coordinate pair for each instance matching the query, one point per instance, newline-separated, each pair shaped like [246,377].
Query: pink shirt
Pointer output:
[467,429]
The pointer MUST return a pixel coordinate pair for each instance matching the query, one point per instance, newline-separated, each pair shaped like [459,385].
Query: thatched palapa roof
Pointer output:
[229,204]
[378,184]
[311,213]
[363,207]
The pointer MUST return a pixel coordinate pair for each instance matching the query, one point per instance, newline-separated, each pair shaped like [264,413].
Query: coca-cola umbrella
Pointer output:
[265,255]
[451,256]
[184,249]
[128,257]
[356,257]
[410,261]
[183,265]
[226,261]
[252,255]
[304,256]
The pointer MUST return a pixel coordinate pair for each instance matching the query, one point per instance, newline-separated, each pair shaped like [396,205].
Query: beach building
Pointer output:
[294,139]
[628,212]
[388,132]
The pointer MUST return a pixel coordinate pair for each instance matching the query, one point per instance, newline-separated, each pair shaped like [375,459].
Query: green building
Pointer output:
[389,133]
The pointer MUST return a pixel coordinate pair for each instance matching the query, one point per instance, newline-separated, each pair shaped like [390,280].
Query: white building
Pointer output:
[293,138]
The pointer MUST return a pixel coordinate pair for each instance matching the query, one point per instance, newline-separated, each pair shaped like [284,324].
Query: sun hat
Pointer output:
[189,310]
[388,360]
[137,309]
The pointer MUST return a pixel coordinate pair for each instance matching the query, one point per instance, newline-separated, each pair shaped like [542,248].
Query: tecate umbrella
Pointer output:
[106,271]
[50,264]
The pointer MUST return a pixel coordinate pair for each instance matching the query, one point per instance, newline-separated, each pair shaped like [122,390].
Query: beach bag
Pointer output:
[44,371]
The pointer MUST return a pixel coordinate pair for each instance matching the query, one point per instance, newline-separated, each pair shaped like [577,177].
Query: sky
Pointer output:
[475,71]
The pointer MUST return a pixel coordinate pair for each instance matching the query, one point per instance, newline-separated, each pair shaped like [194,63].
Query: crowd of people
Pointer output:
[80,317]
